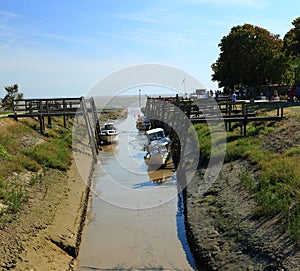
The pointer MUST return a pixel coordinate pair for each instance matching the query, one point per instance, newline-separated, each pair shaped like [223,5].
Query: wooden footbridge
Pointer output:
[45,109]
[214,111]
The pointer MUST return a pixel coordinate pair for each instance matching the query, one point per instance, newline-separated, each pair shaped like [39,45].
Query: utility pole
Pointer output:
[139,98]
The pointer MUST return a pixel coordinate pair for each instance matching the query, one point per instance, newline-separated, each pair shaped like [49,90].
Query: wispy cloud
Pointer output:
[7,34]
[7,14]
[69,39]
[255,4]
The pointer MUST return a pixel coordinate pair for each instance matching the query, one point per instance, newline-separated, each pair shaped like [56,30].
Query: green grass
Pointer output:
[293,152]
[247,180]
[277,188]
[16,197]
[211,146]
[3,152]
[204,139]
[12,195]
[23,149]
[54,154]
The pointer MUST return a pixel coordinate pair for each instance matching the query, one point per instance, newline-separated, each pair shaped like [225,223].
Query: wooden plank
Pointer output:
[236,119]
[46,114]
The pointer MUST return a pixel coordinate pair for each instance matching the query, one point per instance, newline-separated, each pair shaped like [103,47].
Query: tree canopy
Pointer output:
[292,40]
[250,55]
[291,47]
[12,93]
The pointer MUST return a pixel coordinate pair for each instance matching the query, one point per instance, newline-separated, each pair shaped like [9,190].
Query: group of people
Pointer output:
[272,95]
[294,94]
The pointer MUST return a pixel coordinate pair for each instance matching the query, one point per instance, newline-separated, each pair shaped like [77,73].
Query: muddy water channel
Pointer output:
[135,218]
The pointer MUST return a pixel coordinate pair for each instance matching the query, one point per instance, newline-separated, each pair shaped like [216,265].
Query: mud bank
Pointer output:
[225,235]
[225,230]
[47,232]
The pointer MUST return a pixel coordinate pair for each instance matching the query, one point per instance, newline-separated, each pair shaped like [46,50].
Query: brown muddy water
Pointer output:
[135,218]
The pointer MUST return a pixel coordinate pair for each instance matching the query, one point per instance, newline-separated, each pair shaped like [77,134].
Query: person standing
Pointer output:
[233,100]
[233,97]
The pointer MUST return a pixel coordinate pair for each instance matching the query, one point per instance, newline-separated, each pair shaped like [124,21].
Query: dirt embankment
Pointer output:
[113,113]
[223,230]
[45,233]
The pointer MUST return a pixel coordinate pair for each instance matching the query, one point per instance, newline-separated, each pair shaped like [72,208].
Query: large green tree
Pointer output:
[291,48]
[292,40]
[250,55]
[12,93]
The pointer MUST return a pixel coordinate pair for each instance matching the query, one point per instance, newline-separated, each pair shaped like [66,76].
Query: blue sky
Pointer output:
[63,48]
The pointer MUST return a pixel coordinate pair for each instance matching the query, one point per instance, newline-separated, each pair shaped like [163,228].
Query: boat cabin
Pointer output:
[155,134]
[109,126]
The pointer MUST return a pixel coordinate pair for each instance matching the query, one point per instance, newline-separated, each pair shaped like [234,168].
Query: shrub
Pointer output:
[16,197]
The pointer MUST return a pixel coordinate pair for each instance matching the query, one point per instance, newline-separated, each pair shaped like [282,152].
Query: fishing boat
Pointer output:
[157,147]
[143,123]
[109,133]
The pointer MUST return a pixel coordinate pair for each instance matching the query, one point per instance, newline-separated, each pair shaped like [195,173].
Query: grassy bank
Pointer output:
[273,179]
[25,156]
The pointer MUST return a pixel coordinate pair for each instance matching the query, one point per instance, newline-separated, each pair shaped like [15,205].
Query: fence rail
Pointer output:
[222,110]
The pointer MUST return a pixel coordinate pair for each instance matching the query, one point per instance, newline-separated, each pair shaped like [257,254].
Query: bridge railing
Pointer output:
[32,106]
[200,111]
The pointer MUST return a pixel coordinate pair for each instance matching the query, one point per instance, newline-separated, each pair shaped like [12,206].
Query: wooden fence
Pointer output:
[223,110]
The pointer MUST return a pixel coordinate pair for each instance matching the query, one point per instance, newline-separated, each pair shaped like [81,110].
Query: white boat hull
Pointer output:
[109,134]
[157,148]
[157,155]
[109,139]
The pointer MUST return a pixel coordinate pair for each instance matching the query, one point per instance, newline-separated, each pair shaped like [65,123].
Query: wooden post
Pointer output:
[64,113]
[15,111]
[41,124]
[230,110]
[49,122]
[30,107]
[245,119]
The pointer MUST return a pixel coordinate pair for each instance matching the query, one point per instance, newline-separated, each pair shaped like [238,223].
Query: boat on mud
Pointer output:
[109,133]
[143,123]
[157,147]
